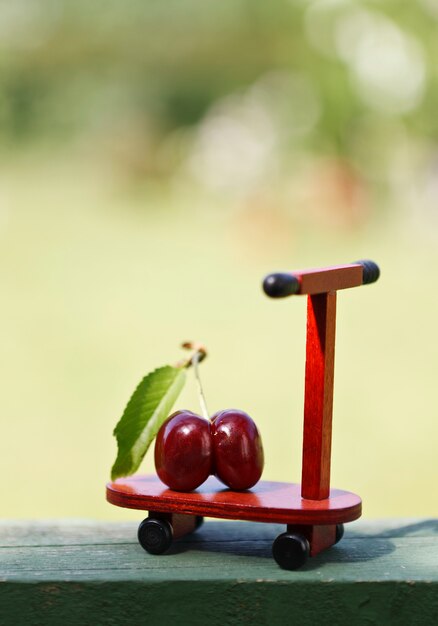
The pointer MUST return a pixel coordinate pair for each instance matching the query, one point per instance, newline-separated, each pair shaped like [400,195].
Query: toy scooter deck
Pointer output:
[275,502]
[312,525]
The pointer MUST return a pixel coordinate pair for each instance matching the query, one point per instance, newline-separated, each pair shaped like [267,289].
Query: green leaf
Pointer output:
[145,412]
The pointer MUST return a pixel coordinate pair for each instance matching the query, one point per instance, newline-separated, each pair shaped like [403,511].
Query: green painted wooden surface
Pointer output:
[62,573]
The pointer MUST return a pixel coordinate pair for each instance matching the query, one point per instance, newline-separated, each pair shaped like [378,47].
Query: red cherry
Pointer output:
[237,449]
[189,448]
[183,451]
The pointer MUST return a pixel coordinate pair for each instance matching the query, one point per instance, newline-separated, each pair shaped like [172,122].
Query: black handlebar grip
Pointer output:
[280,285]
[371,271]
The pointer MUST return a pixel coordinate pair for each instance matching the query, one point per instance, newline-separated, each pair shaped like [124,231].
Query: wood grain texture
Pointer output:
[266,502]
[323,280]
[96,573]
[318,401]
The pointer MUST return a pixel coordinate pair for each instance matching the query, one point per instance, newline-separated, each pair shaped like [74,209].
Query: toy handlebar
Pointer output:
[321,286]
[323,280]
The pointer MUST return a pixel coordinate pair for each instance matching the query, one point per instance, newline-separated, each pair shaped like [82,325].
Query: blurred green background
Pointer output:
[157,159]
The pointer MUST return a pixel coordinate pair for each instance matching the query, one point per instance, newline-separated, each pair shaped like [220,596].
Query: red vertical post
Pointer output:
[318,400]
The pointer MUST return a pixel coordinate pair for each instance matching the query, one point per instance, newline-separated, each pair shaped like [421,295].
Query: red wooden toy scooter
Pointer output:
[314,513]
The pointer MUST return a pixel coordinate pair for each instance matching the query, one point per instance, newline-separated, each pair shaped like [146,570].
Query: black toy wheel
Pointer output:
[199,521]
[339,532]
[155,535]
[290,551]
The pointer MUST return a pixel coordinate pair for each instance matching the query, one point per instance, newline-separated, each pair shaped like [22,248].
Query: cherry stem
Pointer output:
[202,402]
[199,352]
[197,349]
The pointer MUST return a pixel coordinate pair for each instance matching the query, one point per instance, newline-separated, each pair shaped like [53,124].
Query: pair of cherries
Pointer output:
[189,448]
